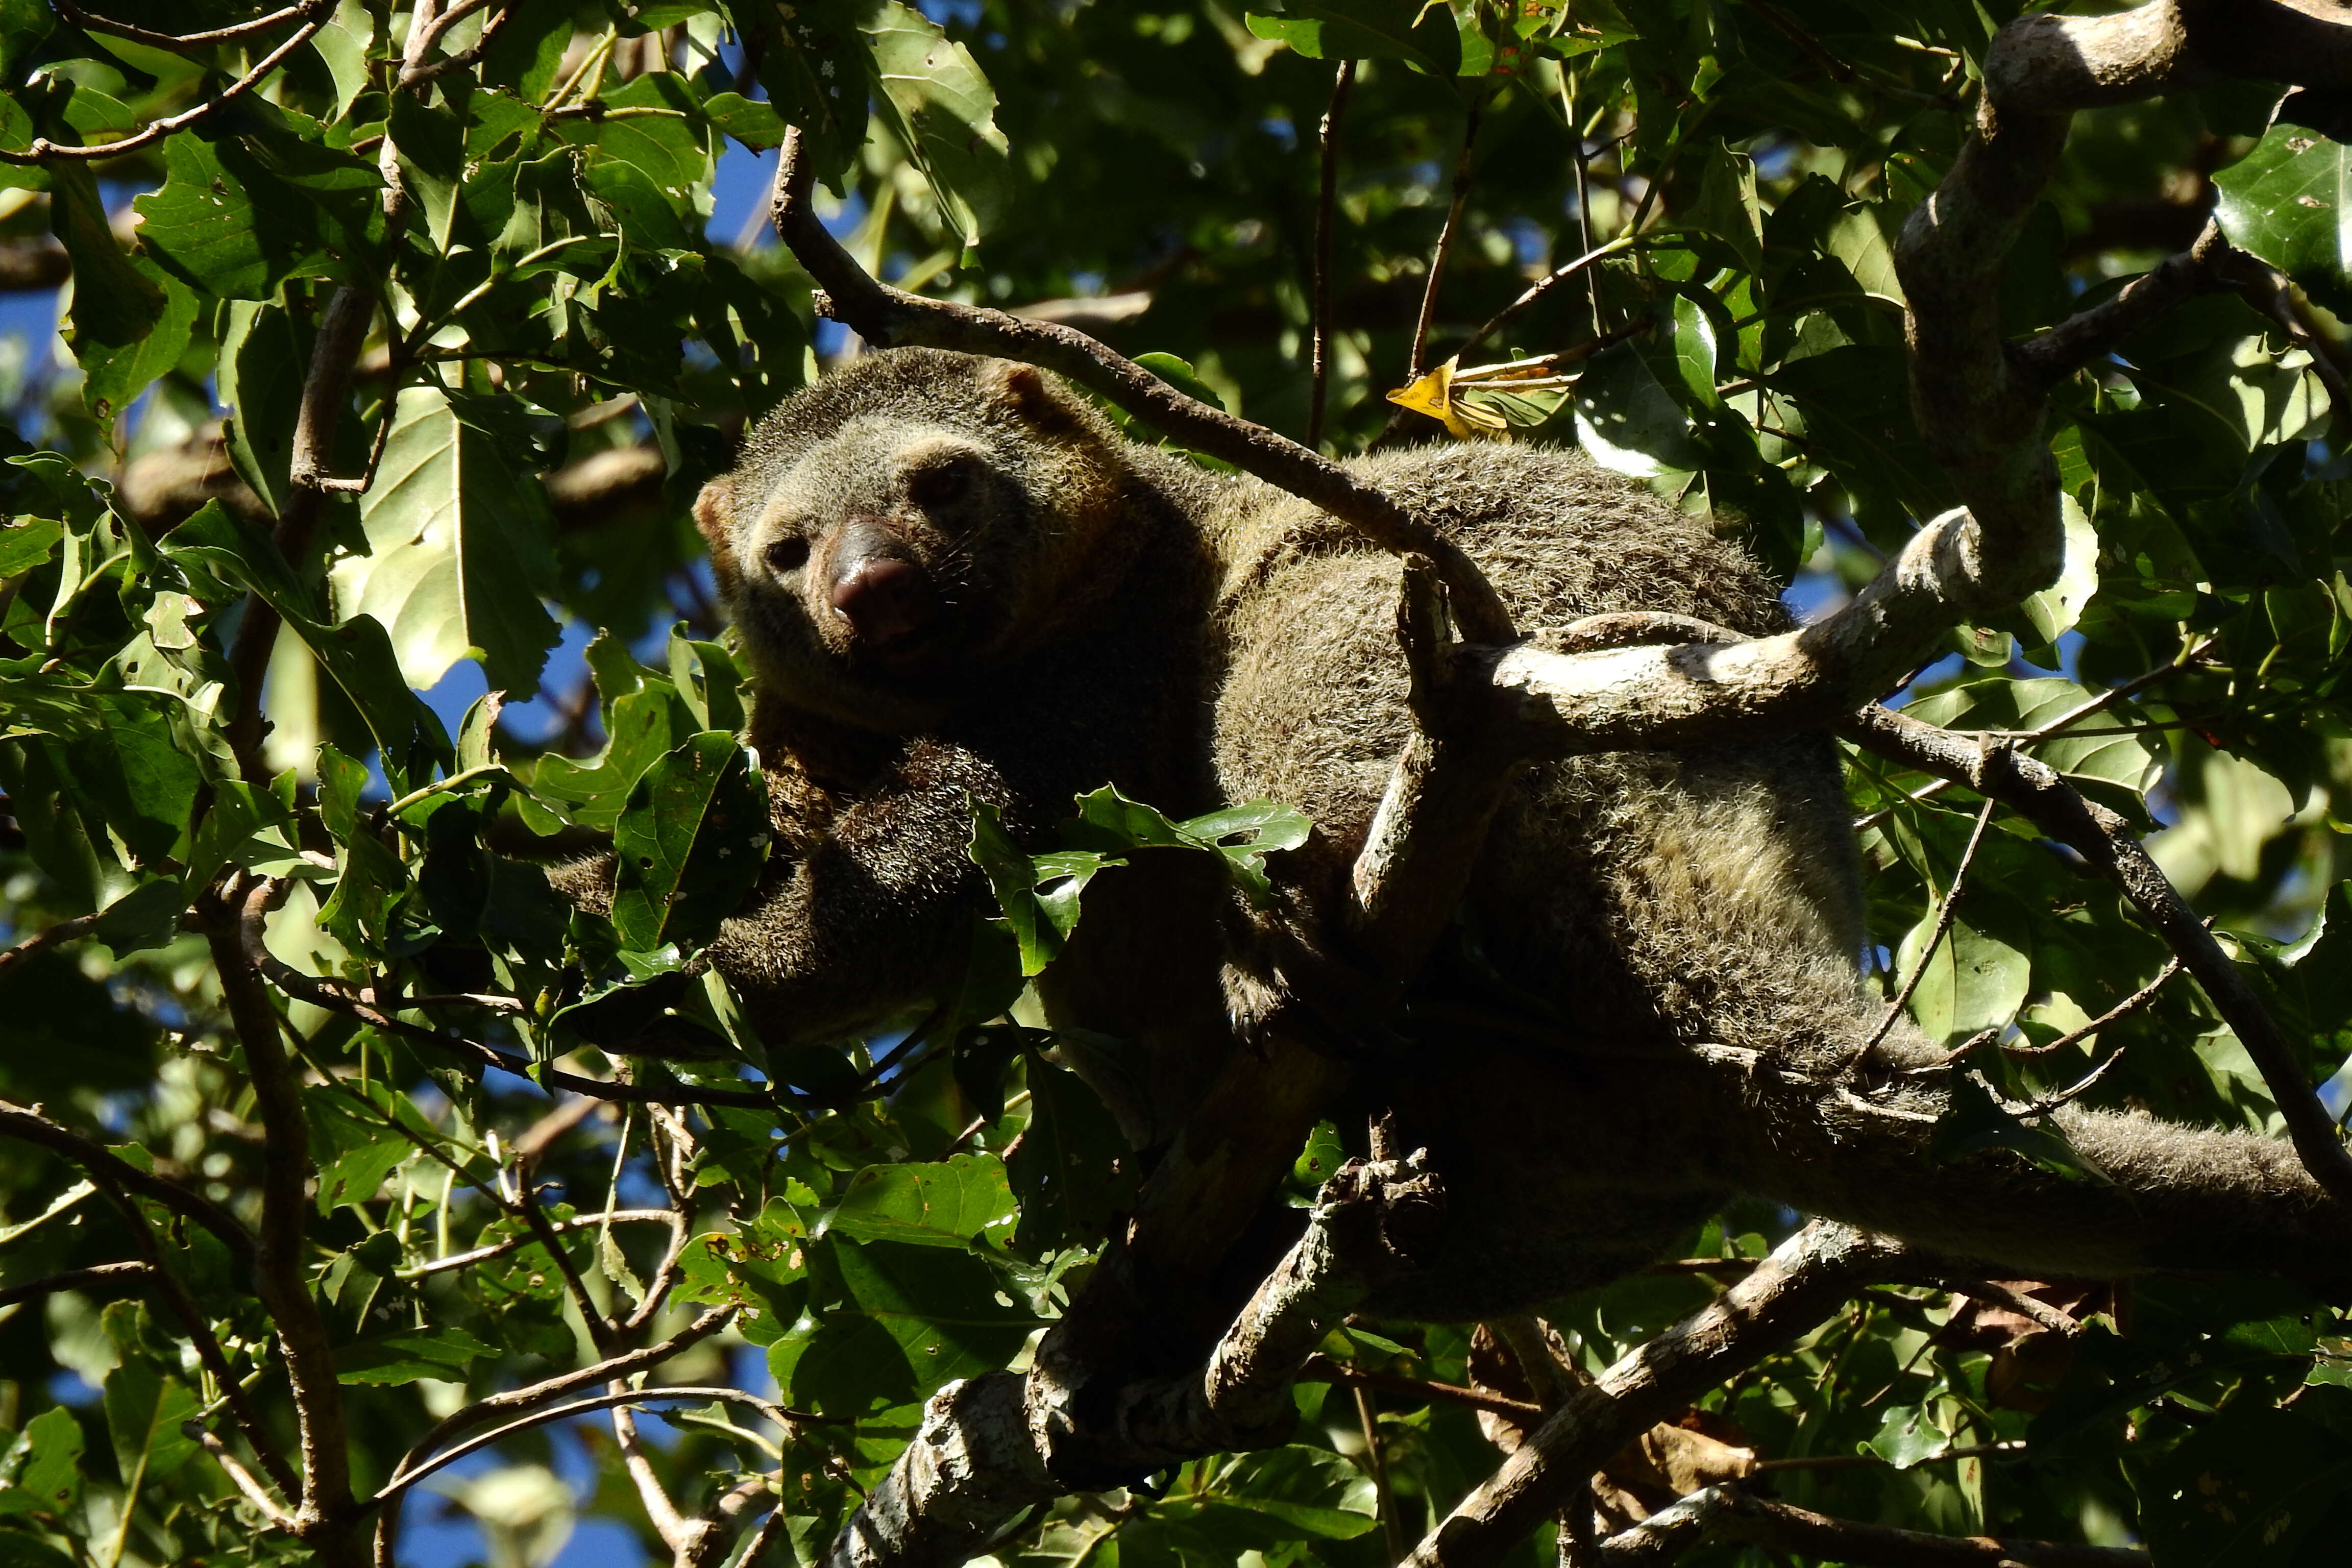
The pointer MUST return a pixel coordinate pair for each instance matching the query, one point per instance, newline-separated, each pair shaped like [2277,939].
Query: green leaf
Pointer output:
[1972,981]
[2243,1489]
[1694,350]
[918,1318]
[1729,209]
[2289,200]
[144,1413]
[353,1152]
[816,65]
[1073,1169]
[229,225]
[27,542]
[262,363]
[344,44]
[1627,420]
[446,1355]
[756,125]
[223,556]
[44,1465]
[1421,34]
[942,109]
[1240,836]
[2055,609]
[1179,374]
[146,917]
[660,135]
[1039,920]
[430,143]
[18,1550]
[640,724]
[131,321]
[459,546]
[689,843]
[952,1204]
[1975,1120]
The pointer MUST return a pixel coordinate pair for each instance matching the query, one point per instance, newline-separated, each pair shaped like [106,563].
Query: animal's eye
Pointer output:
[787,555]
[939,483]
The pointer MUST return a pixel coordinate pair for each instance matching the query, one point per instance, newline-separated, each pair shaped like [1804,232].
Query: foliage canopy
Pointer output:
[497,274]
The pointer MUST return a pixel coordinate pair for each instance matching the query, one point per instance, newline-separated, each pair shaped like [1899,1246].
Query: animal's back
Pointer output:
[1640,894]
[1626,907]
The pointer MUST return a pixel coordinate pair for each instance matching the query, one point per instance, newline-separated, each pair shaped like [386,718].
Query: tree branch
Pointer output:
[323,1511]
[987,1448]
[63,931]
[2105,839]
[1730,1513]
[613,1369]
[316,14]
[90,21]
[131,1273]
[1445,234]
[1809,1277]
[1326,202]
[28,1125]
[885,316]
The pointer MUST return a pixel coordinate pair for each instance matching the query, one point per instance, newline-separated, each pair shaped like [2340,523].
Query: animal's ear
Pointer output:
[1024,390]
[714,515]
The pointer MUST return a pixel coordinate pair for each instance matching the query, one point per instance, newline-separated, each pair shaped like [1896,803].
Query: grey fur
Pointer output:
[1679,930]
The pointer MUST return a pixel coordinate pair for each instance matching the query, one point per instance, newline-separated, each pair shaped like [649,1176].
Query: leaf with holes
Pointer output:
[2289,200]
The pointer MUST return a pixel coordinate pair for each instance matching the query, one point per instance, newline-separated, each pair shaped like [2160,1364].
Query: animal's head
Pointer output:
[907,525]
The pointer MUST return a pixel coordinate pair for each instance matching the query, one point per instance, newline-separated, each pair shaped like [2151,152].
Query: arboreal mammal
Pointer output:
[954,580]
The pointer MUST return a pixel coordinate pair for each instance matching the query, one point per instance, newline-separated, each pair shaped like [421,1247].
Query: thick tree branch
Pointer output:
[1809,1277]
[2106,840]
[987,1448]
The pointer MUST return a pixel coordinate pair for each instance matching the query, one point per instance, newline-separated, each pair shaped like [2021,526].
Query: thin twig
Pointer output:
[1545,285]
[1326,202]
[77,1278]
[1320,1370]
[63,931]
[782,1416]
[1879,1461]
[2104,840]
[26,1124]
[305,988]
[2064,722]
[2121,1010]
[1445,236]
[1392,1528]
[499,1249]
[1945,912]
[90,21]
[243,1479]
[317,11]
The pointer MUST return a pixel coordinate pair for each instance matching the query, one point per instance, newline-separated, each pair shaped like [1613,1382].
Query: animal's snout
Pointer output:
[883,597]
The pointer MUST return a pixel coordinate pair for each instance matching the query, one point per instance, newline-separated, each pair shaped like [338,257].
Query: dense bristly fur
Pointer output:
[1652,993]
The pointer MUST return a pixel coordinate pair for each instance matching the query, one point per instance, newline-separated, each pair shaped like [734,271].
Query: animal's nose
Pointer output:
[884,597]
